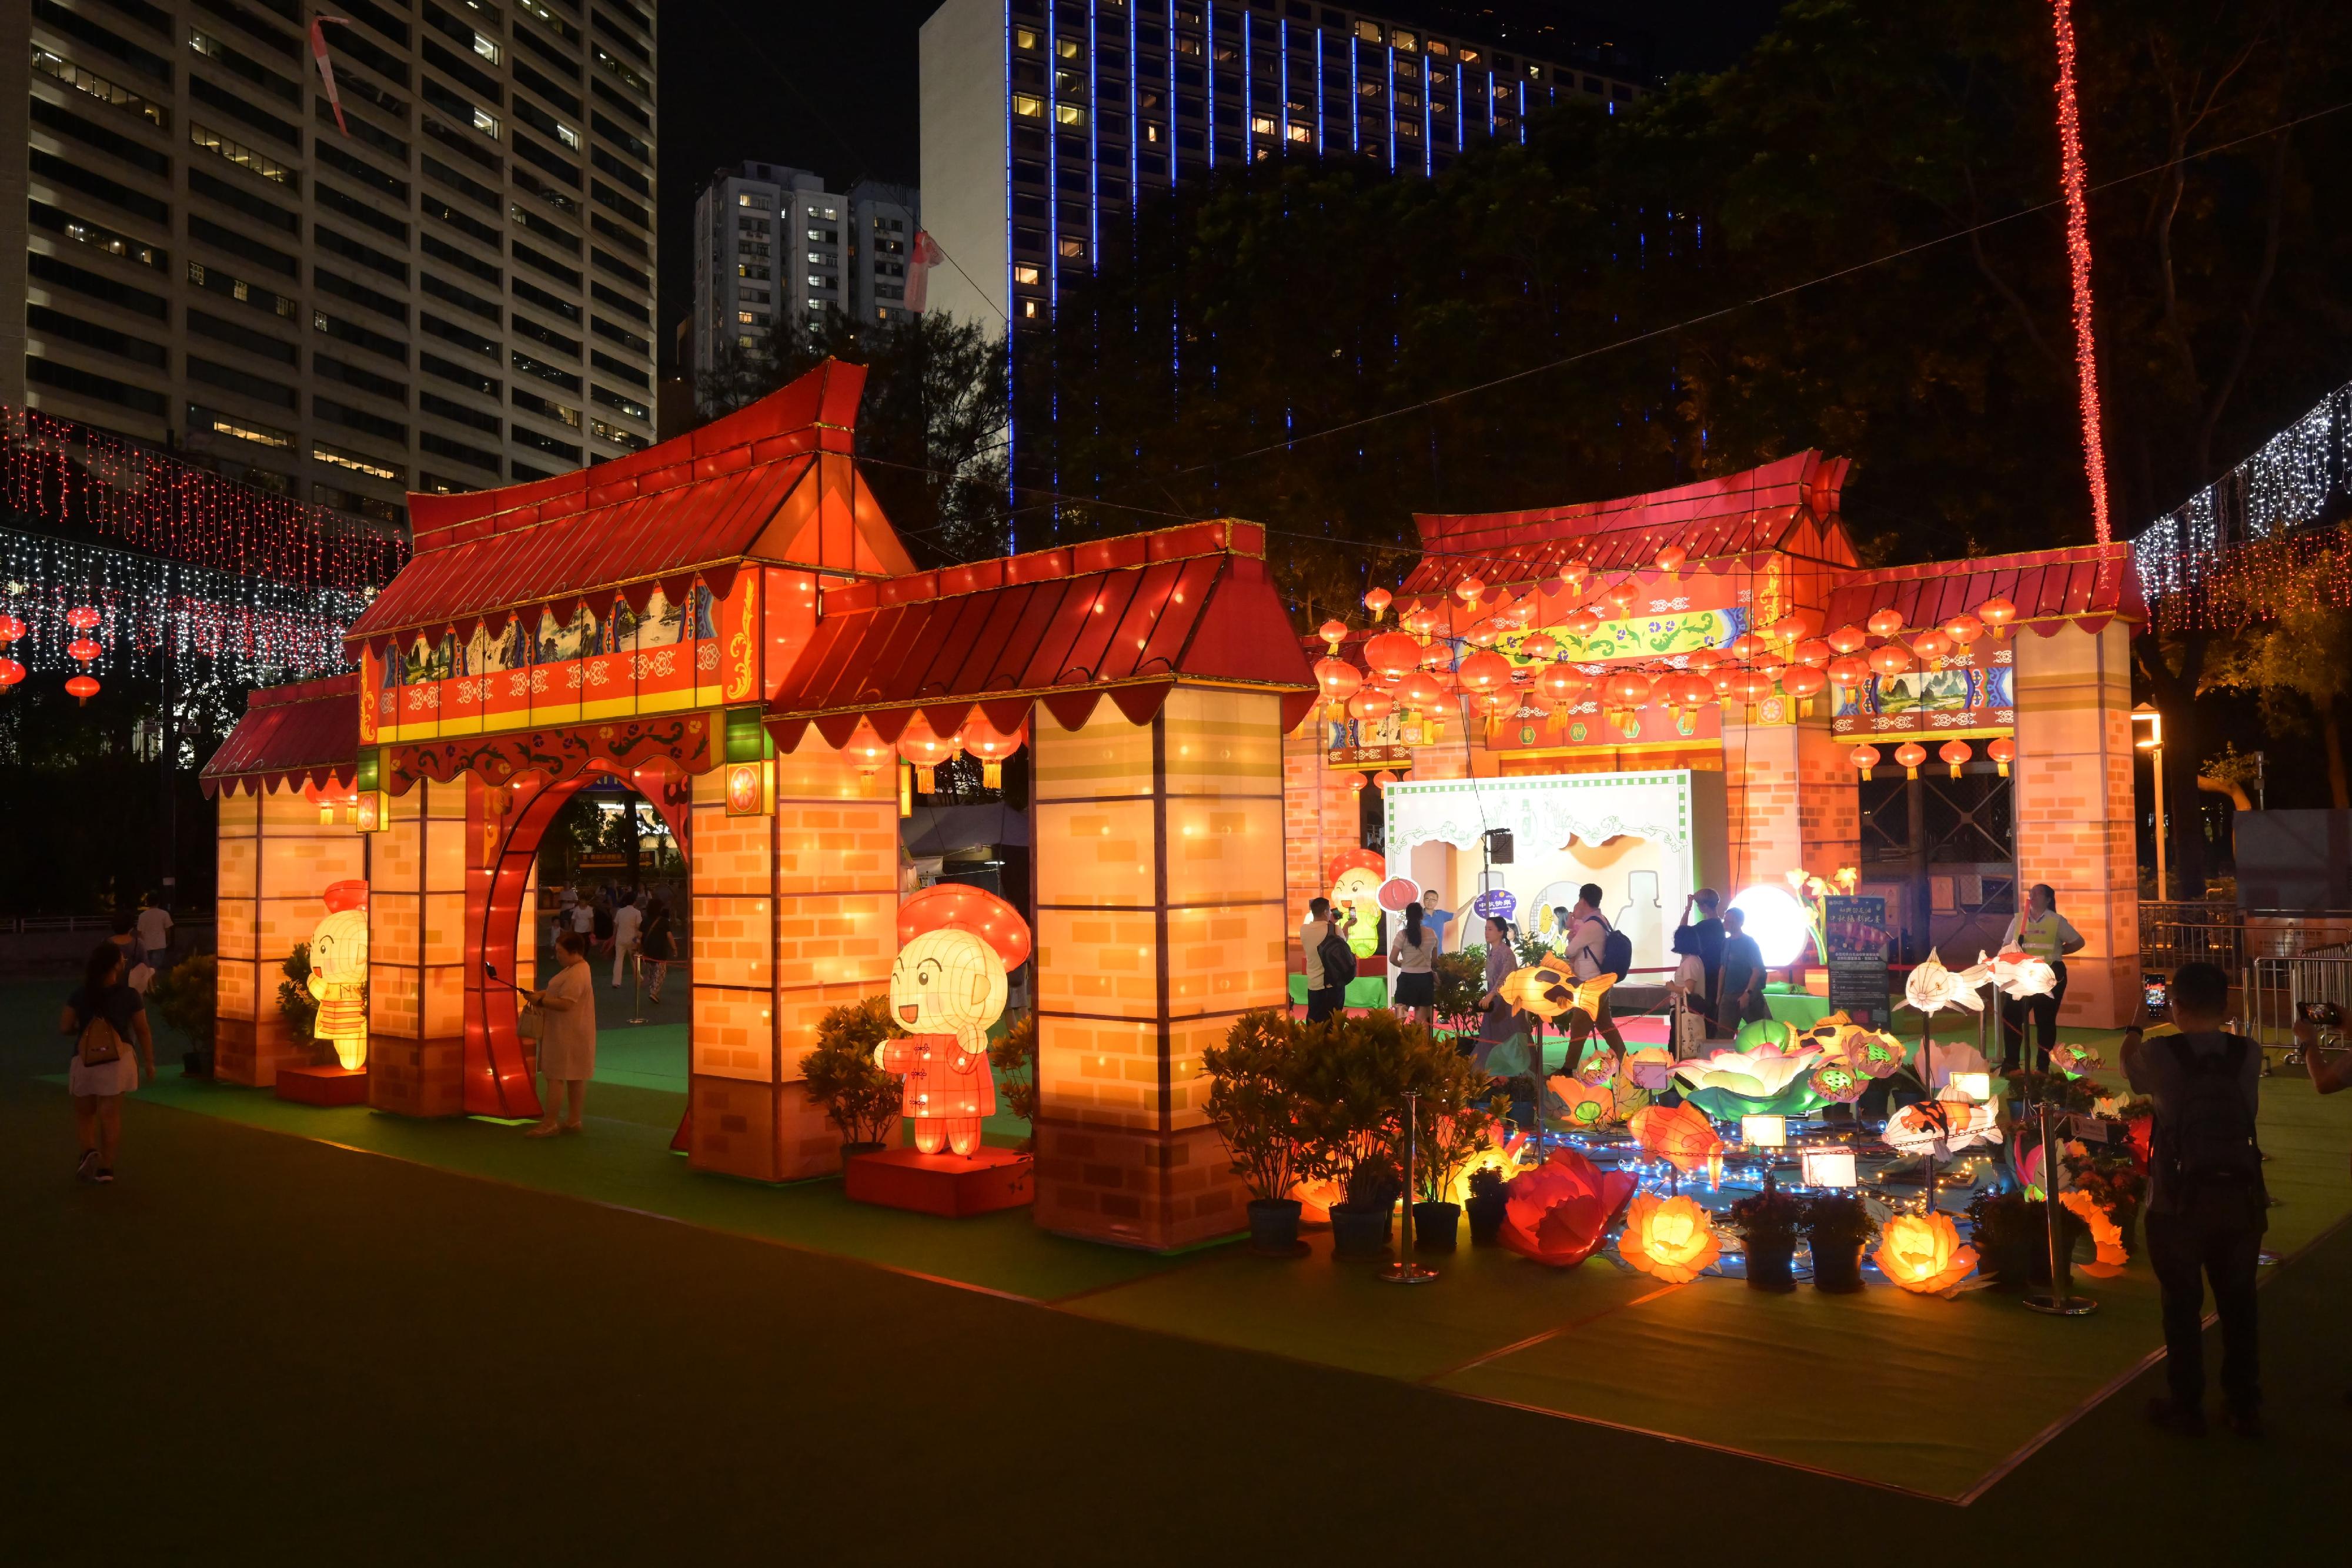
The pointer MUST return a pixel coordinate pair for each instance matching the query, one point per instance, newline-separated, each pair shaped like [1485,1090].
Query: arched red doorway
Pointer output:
[514,821]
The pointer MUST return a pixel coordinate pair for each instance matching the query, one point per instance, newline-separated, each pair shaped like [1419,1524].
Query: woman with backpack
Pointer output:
[1413,956]
[113,1053]
[657,944]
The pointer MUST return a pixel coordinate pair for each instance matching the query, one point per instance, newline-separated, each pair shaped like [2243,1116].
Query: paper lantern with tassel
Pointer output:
[1558,1213]
[1955,755]
[1932,644]
[1621,599]
[1356,782]
[1670,1239]
[1423,622]
[991,745]
[1910,754]
[1378,601]
[11,672]
[1485,634]
[1468,589]
[1812,652]
[1392,655]
[1338,680]
[1572,577]
[1922,1253]
[1848,639]
[1866,758]
[1850,670]
[1803,683]
[866,749]
[2004,751]
[11,629]
[1563,683]
[1883,623]
[1541,647]
[82,687]
[925,751]
[1419,690]
[1670,560]
[1484,670]
[81,618]
[1333,634]
[1890,658]
[1997,613]
[1371,705]
[1580,623]
[1625,691]
[83,649]
[1746,646]
[1964,629]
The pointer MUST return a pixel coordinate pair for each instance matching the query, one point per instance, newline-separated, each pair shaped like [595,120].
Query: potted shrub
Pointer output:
[1352,1076]
[296,1005]
[1459,992]
[1769,1220]
[188,995]
[1012,1057]
[1254,1105]
[1490,1200]
[2111,1177]
[1453,1123]
[1838,1225]
[2012,1241]
[859,1098]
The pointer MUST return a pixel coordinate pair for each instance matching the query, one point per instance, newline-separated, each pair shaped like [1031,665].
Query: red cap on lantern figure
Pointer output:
[947,985]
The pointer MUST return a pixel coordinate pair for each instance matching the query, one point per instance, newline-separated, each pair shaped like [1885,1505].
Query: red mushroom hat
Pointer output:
[955,906]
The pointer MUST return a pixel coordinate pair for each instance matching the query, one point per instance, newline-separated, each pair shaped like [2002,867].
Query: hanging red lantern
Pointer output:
[1580,625]
[1563,683]
[1384,778]
[1890,658]
[1671,559]
[1933,643]
[991,745]
[1423,621]
[1811,651]
[1392,655]
[1572,577]
[925,750]
[1955,754]
[1746,646]
[1419,689]
[1910,754]
[1851,671]
[82,687]
[1751,686]
[10,629]
[1865,758]
[1625,691]
[1964,629]
[81,618]
[11,672]
[1497,703]
[1803,681]
[1356,782]
[1484,634]
[1884,622]
[1333,634]
[2003,752]
[1469,589]
[1622,599]
[1539,646]
[1848,639]
[1378,601]
[83,649]
[1704,659]
[1688,692]
[1998,613]
[1338,680]
[1484,670]
[1371,705]
[1722,678]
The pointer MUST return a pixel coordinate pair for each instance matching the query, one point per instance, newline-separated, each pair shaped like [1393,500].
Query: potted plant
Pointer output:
[296,1005]
[1838,1225]
[1769,1220]
[1353,1071]
[1459,994]
[188,995]
[1012,1057]
[1490,1200]
[2013,1239]
[1254,1105]
[1453,1122]
[841,1074]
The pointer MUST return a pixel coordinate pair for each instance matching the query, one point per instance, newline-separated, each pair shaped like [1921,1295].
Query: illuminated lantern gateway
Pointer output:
[339,972]
[948,985]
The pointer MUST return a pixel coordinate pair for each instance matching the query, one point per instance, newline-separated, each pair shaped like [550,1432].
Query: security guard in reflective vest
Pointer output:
[2044,933]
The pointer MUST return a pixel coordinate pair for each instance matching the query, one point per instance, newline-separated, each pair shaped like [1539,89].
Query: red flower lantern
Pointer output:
[924,750]
[1559,1212]
[1865,758]
[2003,752]
[991,745]
[1997,613]
[1933,643]
[1378,601]
[1370,705]
[82,687]
[1849,671]
[1955,754]
[1484,670]
[1338,680]
[1890,658]
[1964,629]
[1848,639]
[1910,754]
[1884,622]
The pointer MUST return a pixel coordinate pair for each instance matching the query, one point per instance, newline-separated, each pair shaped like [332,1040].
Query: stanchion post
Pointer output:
[1407,1270]
[2055,1302]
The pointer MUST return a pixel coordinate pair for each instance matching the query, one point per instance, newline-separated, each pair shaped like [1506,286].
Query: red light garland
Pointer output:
[2078,261]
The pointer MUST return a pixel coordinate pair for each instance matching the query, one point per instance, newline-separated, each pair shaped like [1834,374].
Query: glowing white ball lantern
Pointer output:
[1778,922]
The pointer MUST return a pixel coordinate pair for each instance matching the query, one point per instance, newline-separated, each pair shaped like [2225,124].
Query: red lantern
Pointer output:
[1392,655]
[924,750]
[991,745]
[83,649]
[1378,602]
[1686,691]
[1384,778]
[1910,754]
[1803,681]
[81,618]
[1370,705]
[867,749]
[1580,624]
[1621,599]
[1932,644]
[82,687]
[1539,646]
[1751,686]
[1848,639]
[1890,658]
[1705,659]
[1722,677]
[1497,703]
[1563,683]
[1865,758]
[1955,754]
[2003,752]
[1997,613]
[1885,623]
[1813,652]
[11,672]
[1469,589]
[1625,691]
[1420,690]
[1333,634]
[1484,634]
[1850,670]
[1356,782]
[1484,670]
[1338,680]
[1573,576]
[1964,629]
[10,629]
[1747,645]
[1423,621]
[1671,559]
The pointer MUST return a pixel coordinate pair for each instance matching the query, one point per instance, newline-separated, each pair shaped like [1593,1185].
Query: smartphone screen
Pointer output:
[2155,996]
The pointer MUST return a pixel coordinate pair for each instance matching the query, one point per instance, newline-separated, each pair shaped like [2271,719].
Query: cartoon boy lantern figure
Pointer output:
[1355,878]
[339,967]
[947,986]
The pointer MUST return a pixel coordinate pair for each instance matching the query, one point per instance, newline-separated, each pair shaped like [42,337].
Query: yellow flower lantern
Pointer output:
[1922,1252]
[1670,1239]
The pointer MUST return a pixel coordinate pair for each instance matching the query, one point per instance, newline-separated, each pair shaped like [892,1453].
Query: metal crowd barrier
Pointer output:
[2278,985]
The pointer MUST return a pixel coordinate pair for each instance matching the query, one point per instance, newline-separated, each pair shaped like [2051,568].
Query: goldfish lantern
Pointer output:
[1890,658]
[1883,623]
[1679,1135]
[1964,629]
[1338,680]
[1670,560]
[1930,988]
[1997,613]
[82,687]
[338,973]
[1378,601]
[1910,755]
[947,985]
[1580,623]
[1922,1252]
[924,751]
[2003,752]
[1932,644]
[1557,1212]
[1955,755]
[1865,759]
[1355,876]
[1333,634]
[1468,589]
[1392,655]
[991,745]
[1848,639]
[1670,1239]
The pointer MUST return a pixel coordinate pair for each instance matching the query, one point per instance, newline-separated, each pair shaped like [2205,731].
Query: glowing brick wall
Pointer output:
[1161,917]
[276,860]
[2073,773]
[416,951]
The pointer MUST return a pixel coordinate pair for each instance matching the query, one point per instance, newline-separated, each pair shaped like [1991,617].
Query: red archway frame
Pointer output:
[513,818]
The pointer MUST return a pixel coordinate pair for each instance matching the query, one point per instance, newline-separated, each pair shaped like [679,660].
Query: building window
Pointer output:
[489,50]
[1027,106]
[745,319]
[1027,275]
[238,425]
[1369,31]
[487,123]
[1262,124]
[236,152]
[1072,248]
[1030,310]
[746,199]
[1069,114]
[1299,132]
[1403,40]
[97,87]
[374,468]
[1025,38]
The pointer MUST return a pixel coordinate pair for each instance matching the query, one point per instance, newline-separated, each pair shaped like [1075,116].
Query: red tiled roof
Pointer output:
[699,500]
[289,733]
[1790,506]
[1119,617]
[2089,583]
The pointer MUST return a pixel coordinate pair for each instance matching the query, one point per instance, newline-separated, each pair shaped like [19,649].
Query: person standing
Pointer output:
[1324,993]
[658,944]
[107,1063]
[567,1045]
[1502,1020]
[1435,915]
[627,920]
[2041,933]
[2207,1204]
[1588,935]
[580,918]
[601,923]
[155,934]
[1413,959]
[1702,939]
[1740,996]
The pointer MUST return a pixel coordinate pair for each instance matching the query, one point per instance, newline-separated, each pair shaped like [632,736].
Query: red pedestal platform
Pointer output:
[947,1184]
[323,1085]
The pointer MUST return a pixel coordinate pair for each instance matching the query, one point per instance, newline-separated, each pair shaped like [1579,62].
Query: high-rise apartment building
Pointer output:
[1044,121]
[456,293]
[771,244]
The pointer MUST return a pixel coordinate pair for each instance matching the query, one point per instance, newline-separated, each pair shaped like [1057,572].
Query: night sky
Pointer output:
[833,88]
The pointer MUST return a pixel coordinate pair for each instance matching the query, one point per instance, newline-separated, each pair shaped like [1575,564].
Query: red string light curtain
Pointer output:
[2078,261]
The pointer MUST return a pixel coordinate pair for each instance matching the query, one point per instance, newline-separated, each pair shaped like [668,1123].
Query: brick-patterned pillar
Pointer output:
[1319,813]
[794,913]
[416,951]
[1829,800]
[1161,917]
[276,860]
[2074,813]
[1762,775]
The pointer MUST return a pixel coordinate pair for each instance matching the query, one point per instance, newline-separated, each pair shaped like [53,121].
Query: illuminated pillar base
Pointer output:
[417,924]
[762,1132]
[2075,818]
[1158,1191]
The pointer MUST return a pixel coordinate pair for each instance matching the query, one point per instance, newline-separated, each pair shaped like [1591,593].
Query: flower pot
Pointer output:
[851,1150]
[1837,1265]
[1359,1229]
[1436,1227]
[1487,1213]
[1274,1228]
[1768,1263]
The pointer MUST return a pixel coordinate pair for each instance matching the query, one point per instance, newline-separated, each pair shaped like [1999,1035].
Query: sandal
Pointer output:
[544,1130]
[569,1127]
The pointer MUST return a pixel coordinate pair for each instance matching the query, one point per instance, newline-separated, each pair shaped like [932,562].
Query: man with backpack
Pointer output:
[1594,947]
[2207,1205]
[1330,962]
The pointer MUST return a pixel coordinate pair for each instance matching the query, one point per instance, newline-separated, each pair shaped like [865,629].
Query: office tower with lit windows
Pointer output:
[1044,120]
[456,292]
